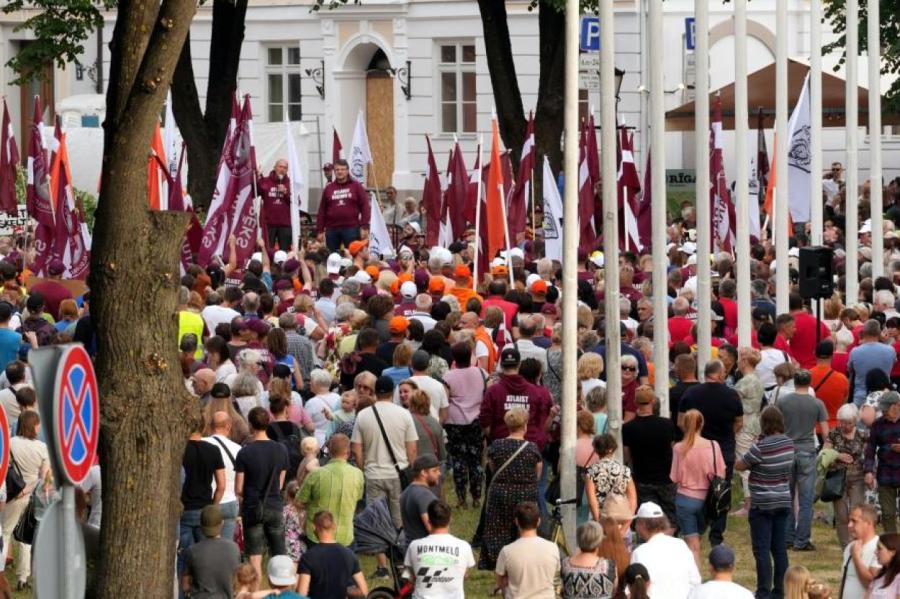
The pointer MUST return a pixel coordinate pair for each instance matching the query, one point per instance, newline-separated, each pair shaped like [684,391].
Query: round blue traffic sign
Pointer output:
[77,414]
[4,444]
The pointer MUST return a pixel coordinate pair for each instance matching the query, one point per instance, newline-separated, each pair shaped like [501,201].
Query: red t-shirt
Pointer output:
[803,343]
[731,313]
[839,361]
[679,328]
[895,371]
[781,343]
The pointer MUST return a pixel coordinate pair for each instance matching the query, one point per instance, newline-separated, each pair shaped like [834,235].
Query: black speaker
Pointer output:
[816,272]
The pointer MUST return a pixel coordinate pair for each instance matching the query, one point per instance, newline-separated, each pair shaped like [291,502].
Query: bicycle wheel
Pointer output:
[382,593]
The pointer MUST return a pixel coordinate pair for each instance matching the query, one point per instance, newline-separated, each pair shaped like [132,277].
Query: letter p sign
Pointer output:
[590,34]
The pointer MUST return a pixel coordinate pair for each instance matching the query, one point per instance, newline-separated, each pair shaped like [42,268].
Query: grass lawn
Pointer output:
[824,563]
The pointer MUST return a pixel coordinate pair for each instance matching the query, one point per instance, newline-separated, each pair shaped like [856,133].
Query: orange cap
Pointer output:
[500,271]
[373,272]
[404,277]
[398,324]
[462,272]
[436,285]
[539,286]
[356,246]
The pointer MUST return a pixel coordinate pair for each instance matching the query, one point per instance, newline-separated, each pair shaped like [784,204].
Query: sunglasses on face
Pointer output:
[629,368]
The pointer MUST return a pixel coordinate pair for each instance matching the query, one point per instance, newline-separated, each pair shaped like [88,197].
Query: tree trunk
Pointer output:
[134,280]
[549,121]
[502,68]
[204,133]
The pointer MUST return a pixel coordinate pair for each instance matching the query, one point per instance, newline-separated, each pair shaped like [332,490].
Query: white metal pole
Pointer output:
[815,103]
[782,279]
[874,45]
[658,189]
[701,135]
[478,248]
[610,219]
[741,137]
[570,273]
[852,173]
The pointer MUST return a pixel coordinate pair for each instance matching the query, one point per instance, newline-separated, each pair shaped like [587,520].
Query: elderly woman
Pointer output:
[608,477]
[515,466]
[629,365]
[323,404]
[751,391]
[554,362]
[586,575]
[590,365]
[850,443]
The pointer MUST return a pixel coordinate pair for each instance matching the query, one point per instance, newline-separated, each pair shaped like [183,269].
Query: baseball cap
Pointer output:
[550,309]
[597,259]
[425,462]
[384,385]
[500,270]
[281,571]
[327,166]
[398,324]
[462,272]
[373,272]
[333,265]
[290,265]
[283,285]
[721,557]
[408,289]
[258,326]
[415,227]
[56,267]
[509,357]
[363,277]
[211,520]
[649,509]
[357,246]
[279,257]
[436,285]
[539,287]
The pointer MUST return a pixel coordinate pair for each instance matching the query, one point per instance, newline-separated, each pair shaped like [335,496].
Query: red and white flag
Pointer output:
[431,198]
[72,242]
[157,173]
[644,209]
[336,146]
[9,160]
[517,206]
[38,200]
[721,207]
[179,202]
[472,199]
[629,187]
[588,236]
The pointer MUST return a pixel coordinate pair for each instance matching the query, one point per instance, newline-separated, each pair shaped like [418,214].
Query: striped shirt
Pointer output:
[770,461]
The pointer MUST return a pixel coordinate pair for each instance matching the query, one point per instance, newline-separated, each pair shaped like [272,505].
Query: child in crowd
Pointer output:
[294,521]
[246,583]
[347,413]
[309,449]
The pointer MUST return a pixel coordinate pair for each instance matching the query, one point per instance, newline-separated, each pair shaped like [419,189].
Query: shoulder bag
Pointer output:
[15,482]
[402,474]
[431,438]
[718,496]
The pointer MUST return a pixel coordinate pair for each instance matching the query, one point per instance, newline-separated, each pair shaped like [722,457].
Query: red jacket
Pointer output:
[276,203]
[510,309]
[343,205]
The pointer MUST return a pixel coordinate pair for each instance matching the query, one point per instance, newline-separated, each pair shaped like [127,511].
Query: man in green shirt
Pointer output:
[335,487]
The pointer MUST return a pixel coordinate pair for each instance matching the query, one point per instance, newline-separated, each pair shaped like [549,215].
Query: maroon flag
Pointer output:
[472,190]
[72,242]
[762,155]
[517,206]
[721,207]
[588,236]
[456,194]
[431,198]
[628,186]
[644,209]
[178,203]
[9,160]
[336,146]
[37,197]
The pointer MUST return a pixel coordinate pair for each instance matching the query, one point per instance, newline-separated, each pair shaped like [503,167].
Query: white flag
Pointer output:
[360,153]
[754,189]
[379,238]
[799,181]
[171,140]
[553,212]
[295,178]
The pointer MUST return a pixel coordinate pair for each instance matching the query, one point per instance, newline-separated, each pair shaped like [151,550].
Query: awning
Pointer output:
[761,94]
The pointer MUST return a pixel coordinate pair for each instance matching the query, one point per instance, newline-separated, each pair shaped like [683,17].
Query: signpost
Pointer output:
[67,393]
[590,34]
[689,33]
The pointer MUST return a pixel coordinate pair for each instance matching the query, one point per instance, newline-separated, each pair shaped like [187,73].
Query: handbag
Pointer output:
[15,482]
[718,496]
[834,485]
[553,494]
[27,525]
[401,473]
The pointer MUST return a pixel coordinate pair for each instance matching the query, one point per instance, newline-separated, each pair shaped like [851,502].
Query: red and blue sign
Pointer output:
[76,406]
[4,444]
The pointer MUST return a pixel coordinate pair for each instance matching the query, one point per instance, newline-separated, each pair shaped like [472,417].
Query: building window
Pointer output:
[456,67]
[283,82]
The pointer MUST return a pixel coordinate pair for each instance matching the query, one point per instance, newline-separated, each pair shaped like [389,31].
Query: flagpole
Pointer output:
[478,214]
[742,205]
[780,232]
[852,174]
[701,142]
[815,120]
[531,193]
[509,266]
[875,184]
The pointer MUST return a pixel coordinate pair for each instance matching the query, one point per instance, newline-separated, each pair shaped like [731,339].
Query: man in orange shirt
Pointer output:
[462,290]
[828,384]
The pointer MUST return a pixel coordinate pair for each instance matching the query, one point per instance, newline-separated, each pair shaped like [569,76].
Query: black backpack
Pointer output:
[291,443]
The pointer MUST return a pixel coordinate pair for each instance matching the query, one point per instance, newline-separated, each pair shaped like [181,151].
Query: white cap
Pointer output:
[517,253]
[279,257]
[346,263]
[689,248]
[794,252]
[409,290]
[649,509]
[866,227]
[692,260]
[531,279]
[498,262]
[405,249]
[256,256]
[443,253]
[333,265]
[363,277]
[597,258]
[415,227]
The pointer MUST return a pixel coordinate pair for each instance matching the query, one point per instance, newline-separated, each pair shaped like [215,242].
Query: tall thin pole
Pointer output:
[658,208]
[815,107]
[570,274]
[874,45]
[478,248]
[741,137]
[701,135]
[852,132]
[782,279]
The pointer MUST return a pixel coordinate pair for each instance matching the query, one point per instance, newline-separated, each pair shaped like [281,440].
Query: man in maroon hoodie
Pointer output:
[275,191]
[344,210]
[512,391]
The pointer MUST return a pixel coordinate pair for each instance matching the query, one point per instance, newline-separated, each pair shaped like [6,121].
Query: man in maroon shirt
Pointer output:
[803,342]
[275,191]
[344,210]
[54,292]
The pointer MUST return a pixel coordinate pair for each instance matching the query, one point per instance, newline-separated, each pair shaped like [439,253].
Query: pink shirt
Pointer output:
[584,452]
[465,389]
[692,472]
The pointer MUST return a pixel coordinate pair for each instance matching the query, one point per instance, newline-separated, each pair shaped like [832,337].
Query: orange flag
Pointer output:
[769,206]
[156,192]
[496,240]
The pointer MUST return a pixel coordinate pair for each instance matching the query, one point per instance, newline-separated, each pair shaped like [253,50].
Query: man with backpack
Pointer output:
[228,505]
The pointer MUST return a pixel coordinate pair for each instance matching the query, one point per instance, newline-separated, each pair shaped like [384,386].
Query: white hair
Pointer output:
[423,302]
[629,359]
[249,357]
[884,299]
[320,378]
[848,413]
[451,301]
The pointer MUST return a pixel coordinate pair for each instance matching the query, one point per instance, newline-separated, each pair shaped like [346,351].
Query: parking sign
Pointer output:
[590,34]
[689,32]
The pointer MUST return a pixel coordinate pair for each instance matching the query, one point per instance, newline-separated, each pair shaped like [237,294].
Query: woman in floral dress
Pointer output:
[294,523]
[608,477]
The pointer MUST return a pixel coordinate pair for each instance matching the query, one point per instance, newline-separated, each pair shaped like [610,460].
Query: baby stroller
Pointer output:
[374,533]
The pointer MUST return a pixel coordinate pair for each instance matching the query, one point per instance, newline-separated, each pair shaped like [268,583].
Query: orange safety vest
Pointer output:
[482,335]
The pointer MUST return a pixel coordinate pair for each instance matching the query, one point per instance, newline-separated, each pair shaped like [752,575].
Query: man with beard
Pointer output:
[275,191]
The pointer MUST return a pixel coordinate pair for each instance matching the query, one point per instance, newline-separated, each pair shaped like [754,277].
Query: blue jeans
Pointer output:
[803,486]
[229,514]
[767,534]
[691,515]
[335,237]
[542,492]
[189,532]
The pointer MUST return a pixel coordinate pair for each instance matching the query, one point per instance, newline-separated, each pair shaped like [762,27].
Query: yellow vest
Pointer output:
[189,322]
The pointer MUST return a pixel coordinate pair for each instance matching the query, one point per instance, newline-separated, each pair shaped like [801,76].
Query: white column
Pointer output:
[851,172]
[658,188]
[610,219]
[701,137]
[782,280]
[874,45]
[742,205]
[570,274]
[815,107]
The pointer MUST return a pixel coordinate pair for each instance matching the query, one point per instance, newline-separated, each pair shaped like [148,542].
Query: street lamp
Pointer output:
[620,76]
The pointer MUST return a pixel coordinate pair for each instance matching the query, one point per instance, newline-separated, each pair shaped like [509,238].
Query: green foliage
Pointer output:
[89,203]
[889,20]
[60,28]
[20,185]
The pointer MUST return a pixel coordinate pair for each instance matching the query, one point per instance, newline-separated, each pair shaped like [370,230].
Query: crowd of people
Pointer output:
[337,387]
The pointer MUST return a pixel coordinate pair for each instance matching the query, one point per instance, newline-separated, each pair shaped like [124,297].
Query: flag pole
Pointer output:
[478,213]
[531,193]
[509,265]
